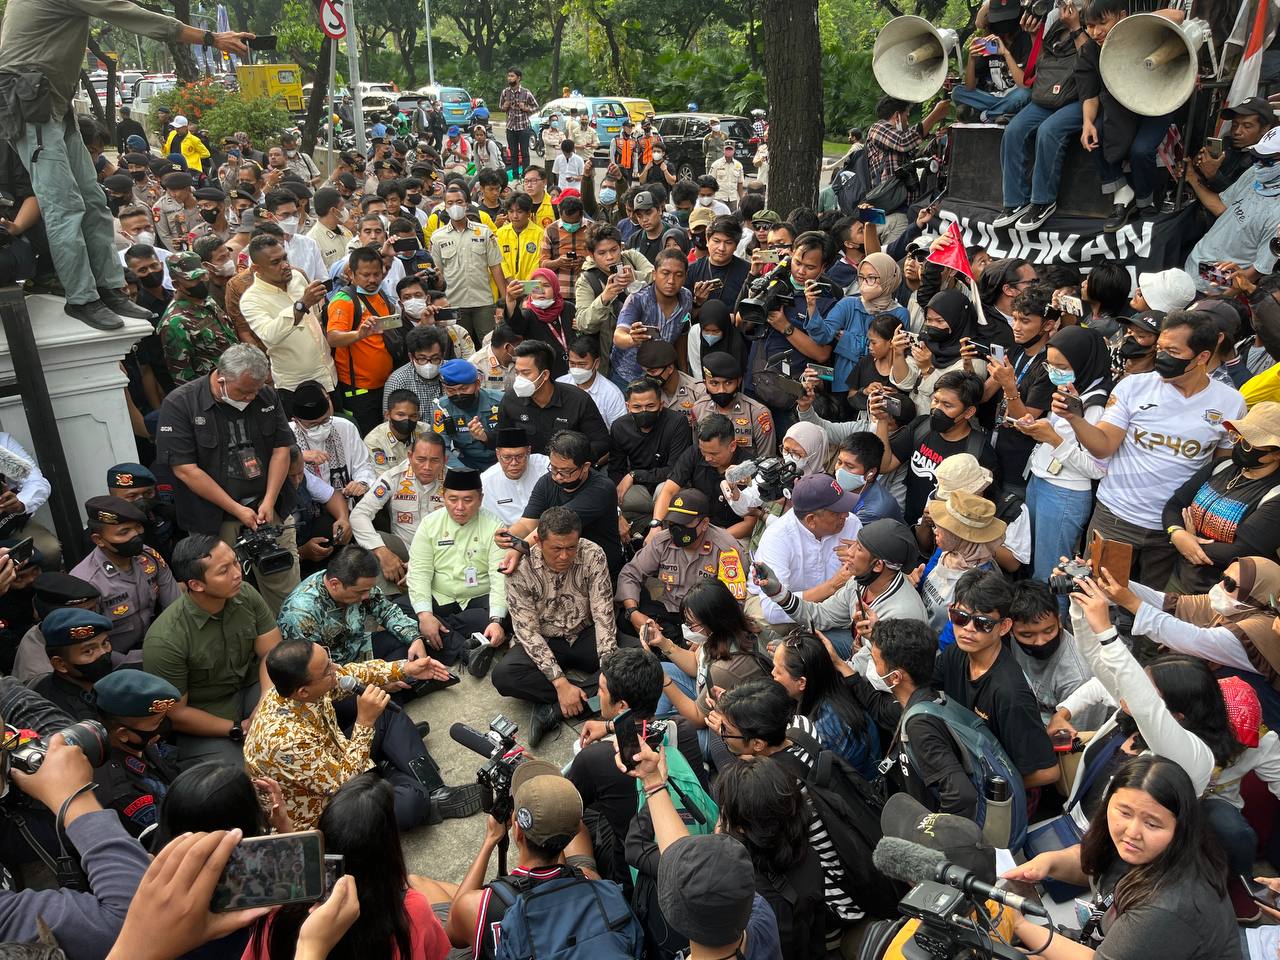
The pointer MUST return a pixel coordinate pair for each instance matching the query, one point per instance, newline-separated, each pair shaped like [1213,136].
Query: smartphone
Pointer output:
[893,407]
[617,267]
[529,287]
[335,865]
[638,327]
[1071,305]
[1061,740]
[716,283]
[997,351]
[1213,146]
[981,350]
[824,373]
[1261,892]
[404,245]
[390,322]
[571,255]
[328,285]
[272,870]
[1209,271]
[264,42]
[871,215]
[626,729]
[991,46]
[1073,403]
[21,552]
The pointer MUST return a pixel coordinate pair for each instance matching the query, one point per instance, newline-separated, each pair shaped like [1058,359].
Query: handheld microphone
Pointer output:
[912,863]
[472,739]
[351,685]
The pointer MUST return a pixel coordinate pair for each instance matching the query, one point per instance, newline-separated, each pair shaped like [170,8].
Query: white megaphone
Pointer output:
[1151,64]
[910,58]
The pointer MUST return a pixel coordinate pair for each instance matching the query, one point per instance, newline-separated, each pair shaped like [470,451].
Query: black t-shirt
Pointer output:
[992,74]
[1002,698]
[648,456]
[649,249]
[1013,448]
[595,503]
[1188,920]
[798,907]
[570,408]
[921,449]
[692,470]
[864,374]
[733,274]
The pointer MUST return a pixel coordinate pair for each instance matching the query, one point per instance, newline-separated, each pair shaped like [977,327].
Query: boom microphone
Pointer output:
[912,863]
[351,685]
[472,739]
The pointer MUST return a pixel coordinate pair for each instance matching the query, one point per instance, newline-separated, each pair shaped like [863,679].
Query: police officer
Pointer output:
[146,190]
[119,188]
[389,441]
[176,212]
[752,421]
[688,550]
[78,644]
[134,580]
[408,493]
[50,592]
[212,204]
[137,485]
[139,765]
[467,415]
[657,358]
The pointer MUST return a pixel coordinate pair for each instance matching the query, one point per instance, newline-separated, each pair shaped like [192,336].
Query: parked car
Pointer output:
[638,107]
[377,97]
[606,113]
[455,103]
[128,80]
[145,91]
[682,134]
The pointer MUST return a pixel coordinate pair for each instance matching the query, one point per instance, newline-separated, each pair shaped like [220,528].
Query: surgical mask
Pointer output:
[792,459]
[542,303]
[95,670]
[145,236]
[658,155]
[235,404]
[1061,378]
[940,422]
[581,376]
[456,211]
[427,371]
[571,227]
[198,291]
[1044,651]
[608,195]
[319,433]
[1169,366]
[645,419]
[849,480]
[706,201]
[210,216]
[368,292]
[404,428]
[289,225]
[291,153]
[414,306]
[712,338]
[1131,349]
[227,269]
[692,635]
[877,681]
[1223,603]
[128,548]
[524,388]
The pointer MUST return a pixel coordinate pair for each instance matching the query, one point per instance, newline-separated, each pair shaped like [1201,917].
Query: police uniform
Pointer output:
[386,449]
[49,592]
[496,376]
[752,424]
[133,782]
[147,191]
[65,628]
[131,597]
[465,258]
[173,219]
[406,501]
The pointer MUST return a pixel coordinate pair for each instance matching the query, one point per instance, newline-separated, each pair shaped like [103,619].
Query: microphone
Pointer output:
[912,863]
[349,684]
[472,739]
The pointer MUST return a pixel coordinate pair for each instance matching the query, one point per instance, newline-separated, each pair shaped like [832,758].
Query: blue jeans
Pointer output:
[1239,842]
[682,680]
[990,104]
[1141,157]
[1052,130]
[842,640]
[1058,517]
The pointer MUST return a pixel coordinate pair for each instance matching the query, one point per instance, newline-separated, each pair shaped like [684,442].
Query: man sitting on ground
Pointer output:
[79,649]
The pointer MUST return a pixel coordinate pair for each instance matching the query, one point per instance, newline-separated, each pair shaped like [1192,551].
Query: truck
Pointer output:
[275,81]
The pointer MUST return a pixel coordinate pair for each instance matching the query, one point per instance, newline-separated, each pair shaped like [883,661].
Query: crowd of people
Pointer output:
[810,540]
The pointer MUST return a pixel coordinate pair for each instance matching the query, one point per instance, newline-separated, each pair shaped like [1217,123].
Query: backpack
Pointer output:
[973,443]
[1055,82]
[852,183]
[681,774]
[568,918]
[849,808]
[983,756]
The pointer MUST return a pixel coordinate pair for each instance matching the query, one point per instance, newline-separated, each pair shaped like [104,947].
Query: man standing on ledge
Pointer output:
[48,38]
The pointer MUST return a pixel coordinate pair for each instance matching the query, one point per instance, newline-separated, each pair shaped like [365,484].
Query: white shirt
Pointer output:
[717,207]
[1168,437]
[298,351]
[34,490]
[608,398]
[799,558]
[304,254]
[1017,536]
[332,243]
[348,456]
[505,498]
[729,175]
[1076,467]
[569,170]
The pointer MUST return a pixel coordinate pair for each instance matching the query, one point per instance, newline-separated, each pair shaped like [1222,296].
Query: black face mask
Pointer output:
[935,334]
[1250,459]
[572,485]
[1169,366]
[467,402]
[146,504]
[114,204]
[1131,349]
[413,199]
[210,216]
[404,428]
[1043,652]
[645,419]
[198,290]
[152,281]
[94,670]
[865,580]
[683,536]
[148,737]
[722,400]
[128,548]
[139,176]
[940,422]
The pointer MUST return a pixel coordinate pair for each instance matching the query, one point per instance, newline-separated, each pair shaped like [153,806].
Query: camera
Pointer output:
[773,291]
[1065,583]
[499,748]
[260,548]
[25,751]
[773,477]
[1037,8]
[946,931]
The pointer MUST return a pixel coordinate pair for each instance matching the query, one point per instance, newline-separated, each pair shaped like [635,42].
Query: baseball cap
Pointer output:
[1269,145]
[1167,290]
[1260,426]
[179,121]
[186,265]
[957,838]
[548,808]
[688,507]
[1252,107]
[820,491]
[644,201]
[1148,320]
[701,217]
[706,886]
[1002,11]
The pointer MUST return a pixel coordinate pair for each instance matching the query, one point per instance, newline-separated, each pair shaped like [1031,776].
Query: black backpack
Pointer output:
[852,183]
[1055,82]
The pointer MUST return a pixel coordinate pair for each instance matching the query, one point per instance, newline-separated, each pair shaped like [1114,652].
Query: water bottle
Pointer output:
[999,820]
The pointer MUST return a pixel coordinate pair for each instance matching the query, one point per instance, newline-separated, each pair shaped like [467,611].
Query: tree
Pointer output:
[317,105]
[793,68]
[488,25]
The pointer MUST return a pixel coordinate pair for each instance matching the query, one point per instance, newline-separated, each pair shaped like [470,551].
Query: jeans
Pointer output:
[682,680]
[1052,130]
[990,104]
[1058,517]
[518,144]
[1141,157]
[1239,842]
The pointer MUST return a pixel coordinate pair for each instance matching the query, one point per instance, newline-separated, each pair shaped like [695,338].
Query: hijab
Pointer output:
[732,343]
[548,315]
[680,235]
[814,440]
[890,280]
[955,308]
[961,554]
[1260,587]
[1090,359]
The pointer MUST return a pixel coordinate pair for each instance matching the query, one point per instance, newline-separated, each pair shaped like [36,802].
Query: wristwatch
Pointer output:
[1174,528]
[236,733]
[208,39]
[299,307]
[791,328]
[654,524]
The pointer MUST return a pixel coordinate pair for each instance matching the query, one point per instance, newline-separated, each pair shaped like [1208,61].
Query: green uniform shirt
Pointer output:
[193,335]
[453,564]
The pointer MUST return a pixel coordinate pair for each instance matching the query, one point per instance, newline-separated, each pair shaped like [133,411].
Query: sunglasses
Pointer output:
[919,256]
[962,618]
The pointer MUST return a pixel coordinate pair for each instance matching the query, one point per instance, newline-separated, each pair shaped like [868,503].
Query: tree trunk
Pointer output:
[406,40]
[615,54]
[94,106]
[793,68]
[319,101]
[184,64]
[108,117]
[557,38]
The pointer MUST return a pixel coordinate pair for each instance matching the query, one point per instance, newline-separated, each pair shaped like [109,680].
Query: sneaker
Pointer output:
[480,660]
[423,727]
[1009,216]
[95,314]
[546,717]
[118,303]
[1121,214]
[454,803]
[1036,216]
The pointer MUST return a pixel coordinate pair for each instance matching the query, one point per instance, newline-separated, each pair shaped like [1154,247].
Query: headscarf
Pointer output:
[814,440]
[732,343]
[680,235]
[961,554]
[1090,359]
[1260,586]
[955,308]
[548,315]
[890,280]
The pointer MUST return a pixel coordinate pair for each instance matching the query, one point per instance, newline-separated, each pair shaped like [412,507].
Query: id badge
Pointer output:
[1055,466]
[250,465]
[470,578]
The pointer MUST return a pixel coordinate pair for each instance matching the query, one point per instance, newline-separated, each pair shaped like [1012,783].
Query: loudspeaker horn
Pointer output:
[1151,64]
[910,58]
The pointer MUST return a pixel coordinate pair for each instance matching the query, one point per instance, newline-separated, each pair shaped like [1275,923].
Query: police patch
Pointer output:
[84,632]
[404,518]
[120,611]
[380,490]
[379,457]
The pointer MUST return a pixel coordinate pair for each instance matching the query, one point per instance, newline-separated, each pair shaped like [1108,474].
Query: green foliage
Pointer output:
[192,100]
[211,107]
[298,32]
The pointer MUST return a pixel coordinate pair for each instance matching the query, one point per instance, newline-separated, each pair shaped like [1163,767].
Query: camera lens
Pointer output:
[1275,246]
[91,737]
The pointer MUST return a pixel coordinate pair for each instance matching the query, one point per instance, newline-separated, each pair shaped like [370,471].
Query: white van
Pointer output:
[145,92]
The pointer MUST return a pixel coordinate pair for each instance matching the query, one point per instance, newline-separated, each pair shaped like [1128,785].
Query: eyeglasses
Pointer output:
[868,278]
[558,473]
[512,457]
[1230,584]
[962,618]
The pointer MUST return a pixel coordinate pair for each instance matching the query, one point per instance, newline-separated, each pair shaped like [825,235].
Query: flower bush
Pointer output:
[212,107]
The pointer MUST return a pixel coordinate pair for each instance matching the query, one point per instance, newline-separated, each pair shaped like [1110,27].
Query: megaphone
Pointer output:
[1151,64]
[910,58]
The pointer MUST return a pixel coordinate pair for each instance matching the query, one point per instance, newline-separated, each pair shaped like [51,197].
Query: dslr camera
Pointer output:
[773,477]
[261,548]
[1065,583]
[768,293]
[25,750]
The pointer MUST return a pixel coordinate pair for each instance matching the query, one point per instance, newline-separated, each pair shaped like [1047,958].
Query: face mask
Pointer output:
[1169,366]
[877,681]
[791,458]
[427,371]
[1225,604]
[865,580]
[128,548]
[1044,651]
[227,269]
[722,400]
[1061,378]
[95,670]
[146,504]
[139,176]
[404,428]
[692,635]
[608,195]
[413,199]
[542,303]
[114,204]
[198,291]
[712,338]
[146,237]
[658,155]
[1248,459]
[289,225]
[235,404]
[414,306]
[367,291]
[580,376]
[683,536]
[148,737]
[210,216]
[682,217]
[524,387]
[291,154]
[645,419]
[849,480]
[935,334]
[940,422]
[456,211]
[571,227]
[706,201]
[319,433]
[1131,349]
[152,281]
[466,401]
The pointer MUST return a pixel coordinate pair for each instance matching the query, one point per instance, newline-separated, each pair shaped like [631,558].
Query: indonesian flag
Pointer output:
[1253,31]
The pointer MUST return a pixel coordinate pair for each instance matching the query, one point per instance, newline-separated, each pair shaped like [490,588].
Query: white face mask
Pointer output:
[542,303]
[524,387]
[706,201]
[227,269]
[427,371]
[289,225]
[235,404]
[291,153]
[875,679]
[456,211]
[145,236]
[319,433]
[658,155]
[414,306]
[792,459]
[1223,603]
[580,376]
[692,635]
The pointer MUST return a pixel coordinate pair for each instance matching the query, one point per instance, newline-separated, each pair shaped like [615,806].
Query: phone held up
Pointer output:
[274,870]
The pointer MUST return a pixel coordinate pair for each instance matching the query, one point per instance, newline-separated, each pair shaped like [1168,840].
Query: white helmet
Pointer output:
[759,114]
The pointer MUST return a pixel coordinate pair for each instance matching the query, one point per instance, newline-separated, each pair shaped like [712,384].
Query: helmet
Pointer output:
[759,114]
[479,101]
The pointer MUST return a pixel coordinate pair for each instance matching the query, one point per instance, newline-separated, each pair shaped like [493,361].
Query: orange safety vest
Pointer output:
[626,152]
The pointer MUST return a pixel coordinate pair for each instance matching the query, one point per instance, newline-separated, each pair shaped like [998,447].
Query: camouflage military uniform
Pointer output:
[192,333]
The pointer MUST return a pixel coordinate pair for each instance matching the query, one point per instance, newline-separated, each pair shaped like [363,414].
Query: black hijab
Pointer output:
[732,343]
[1090,358]
[955,308]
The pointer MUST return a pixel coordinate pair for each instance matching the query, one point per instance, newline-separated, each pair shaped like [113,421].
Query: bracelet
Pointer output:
[654,790]
[1174,528]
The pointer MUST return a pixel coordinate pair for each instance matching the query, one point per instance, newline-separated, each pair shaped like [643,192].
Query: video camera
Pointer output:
[773,477]
[768,293]
[498,747]
[261,548]
[947,930]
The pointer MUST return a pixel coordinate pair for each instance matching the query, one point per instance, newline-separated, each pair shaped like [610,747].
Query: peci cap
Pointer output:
[129,476]
[1167,290]
[112,510]
[1260,427]
[1148,321]
[132,693]
[456,373]
[688,507]
[310,400]
[547,807]
[186,265]
[1252,107]
[706,886]
[970,517]
[820,491]
[958,838]
[70,625]
[512,438]
[960,471]
[461,480]
[891,541]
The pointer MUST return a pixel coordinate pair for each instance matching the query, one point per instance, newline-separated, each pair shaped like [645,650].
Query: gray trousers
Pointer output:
[477,321]
[275,587]
[74,208]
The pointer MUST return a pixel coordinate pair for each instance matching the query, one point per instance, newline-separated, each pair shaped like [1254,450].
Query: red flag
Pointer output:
[952,254]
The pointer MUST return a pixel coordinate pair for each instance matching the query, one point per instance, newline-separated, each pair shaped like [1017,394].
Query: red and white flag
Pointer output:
[955,256]
[1254,30]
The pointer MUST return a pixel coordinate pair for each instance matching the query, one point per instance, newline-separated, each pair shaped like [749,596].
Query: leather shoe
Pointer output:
[454,803]
[423,727]
[95,314]
[1121,214]
[480,660]
[117,302]
[546,717]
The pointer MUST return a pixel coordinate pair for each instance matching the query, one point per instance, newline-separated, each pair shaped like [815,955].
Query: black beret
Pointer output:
[721,364]
[112,510]
[176,181]
[210,193]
